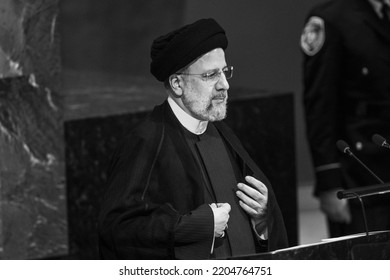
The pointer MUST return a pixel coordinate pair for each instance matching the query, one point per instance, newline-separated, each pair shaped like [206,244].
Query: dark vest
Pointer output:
[220,173]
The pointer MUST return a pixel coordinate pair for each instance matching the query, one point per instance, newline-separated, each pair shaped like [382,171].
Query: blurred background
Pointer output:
[74,75]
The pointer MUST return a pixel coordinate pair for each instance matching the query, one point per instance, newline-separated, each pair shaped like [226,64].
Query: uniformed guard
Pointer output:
[346,48]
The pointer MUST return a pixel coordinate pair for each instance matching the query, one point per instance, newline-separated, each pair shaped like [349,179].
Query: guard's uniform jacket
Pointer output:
[346,50]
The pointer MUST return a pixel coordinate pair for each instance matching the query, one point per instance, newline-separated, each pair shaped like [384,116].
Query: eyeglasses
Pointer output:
[213,75]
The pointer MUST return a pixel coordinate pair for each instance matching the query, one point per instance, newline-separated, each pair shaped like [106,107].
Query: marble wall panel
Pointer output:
[33,221]
[33,200]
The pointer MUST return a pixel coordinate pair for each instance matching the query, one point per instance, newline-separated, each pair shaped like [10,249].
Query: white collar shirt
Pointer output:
[189,122]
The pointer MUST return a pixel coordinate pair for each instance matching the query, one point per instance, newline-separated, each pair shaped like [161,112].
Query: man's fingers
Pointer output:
[252,201]
[224,205]
[256,190]
[340,215]
[250,196]
[256,184]
[337,210]
[344,216]
[248,209]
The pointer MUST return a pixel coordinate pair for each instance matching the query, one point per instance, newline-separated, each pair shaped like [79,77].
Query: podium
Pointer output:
[375,246]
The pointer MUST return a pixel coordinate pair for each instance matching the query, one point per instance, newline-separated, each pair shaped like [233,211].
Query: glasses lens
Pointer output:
[228,72]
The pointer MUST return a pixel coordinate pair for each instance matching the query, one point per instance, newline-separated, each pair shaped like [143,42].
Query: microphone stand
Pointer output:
[365,166]
[363,212]
[361,192]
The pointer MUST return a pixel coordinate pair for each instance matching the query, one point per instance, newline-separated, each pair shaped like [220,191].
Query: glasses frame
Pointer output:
[206,76]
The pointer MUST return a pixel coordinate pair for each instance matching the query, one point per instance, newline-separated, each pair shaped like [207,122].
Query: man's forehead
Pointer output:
[212,58]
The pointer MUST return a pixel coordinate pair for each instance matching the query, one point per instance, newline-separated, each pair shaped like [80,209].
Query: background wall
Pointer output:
[33,221]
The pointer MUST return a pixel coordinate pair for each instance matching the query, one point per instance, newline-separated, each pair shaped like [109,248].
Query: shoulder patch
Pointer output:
[313,36]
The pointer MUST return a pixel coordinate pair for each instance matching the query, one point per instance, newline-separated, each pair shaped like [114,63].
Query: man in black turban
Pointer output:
[181,186]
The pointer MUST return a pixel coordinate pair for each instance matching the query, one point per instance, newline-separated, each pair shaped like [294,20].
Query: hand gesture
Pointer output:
[253,198]
[335,209]
[221,217]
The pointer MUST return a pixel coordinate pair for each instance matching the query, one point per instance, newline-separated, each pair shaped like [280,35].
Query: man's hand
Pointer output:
[221,217]
[335,209]
[253,198]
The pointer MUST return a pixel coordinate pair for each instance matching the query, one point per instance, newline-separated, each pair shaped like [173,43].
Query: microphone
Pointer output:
[364,191]
[380,141]
[343,147]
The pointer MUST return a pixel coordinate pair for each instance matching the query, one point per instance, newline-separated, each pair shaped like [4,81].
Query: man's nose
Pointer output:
[222,82]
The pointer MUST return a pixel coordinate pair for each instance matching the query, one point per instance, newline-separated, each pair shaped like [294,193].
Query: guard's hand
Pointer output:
[221,217]
[335,209]
[253,198]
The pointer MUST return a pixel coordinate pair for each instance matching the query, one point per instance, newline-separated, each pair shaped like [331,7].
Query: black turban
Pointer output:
[177,49]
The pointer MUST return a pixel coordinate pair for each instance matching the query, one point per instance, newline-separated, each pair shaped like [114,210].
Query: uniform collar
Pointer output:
[190,123]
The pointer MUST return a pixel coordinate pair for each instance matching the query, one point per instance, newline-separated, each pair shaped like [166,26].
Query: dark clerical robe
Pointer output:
[156,203]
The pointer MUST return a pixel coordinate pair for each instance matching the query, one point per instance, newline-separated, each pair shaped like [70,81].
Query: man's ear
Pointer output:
[175,82]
